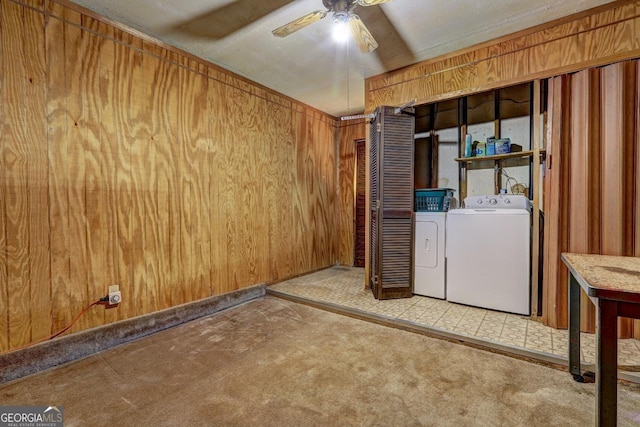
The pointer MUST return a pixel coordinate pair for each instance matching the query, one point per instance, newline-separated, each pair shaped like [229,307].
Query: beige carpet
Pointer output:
[276,363]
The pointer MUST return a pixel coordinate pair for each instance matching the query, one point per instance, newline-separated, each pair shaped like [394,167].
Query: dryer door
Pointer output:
[426,244]
[429,268]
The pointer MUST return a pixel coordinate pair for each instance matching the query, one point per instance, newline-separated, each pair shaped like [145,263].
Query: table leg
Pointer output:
[574,329]
[606,363]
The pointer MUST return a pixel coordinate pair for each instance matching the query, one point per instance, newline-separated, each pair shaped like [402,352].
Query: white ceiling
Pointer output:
[308,65]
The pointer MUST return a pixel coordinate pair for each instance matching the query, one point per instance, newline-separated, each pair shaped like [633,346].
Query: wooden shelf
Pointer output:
[515,155]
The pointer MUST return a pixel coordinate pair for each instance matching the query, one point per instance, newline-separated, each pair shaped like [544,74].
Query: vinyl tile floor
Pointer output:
[343,287]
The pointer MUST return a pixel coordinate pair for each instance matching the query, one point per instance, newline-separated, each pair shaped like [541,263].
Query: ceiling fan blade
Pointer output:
[225,20]
[393,51]
[299,23]
[361,34]
[371,2]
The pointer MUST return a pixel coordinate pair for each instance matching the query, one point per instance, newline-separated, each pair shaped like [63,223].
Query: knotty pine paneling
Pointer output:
[277,186]
[154,277]
[25,242]
[195,182]
[16,180]
[95,188]
[600,36]
[218,126]
[58,177]
[35,130]
[125,162]
[131,211]
[315,182]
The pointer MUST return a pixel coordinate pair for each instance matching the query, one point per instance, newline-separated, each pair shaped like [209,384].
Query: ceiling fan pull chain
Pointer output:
[348,100]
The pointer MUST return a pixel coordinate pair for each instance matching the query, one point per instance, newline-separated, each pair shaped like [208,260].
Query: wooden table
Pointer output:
[613,285]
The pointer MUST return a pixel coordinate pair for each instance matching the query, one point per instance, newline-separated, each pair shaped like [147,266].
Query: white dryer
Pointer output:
[429,254]
[488,253]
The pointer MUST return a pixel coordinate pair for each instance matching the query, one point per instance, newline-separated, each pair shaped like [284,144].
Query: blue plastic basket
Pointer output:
[433,199]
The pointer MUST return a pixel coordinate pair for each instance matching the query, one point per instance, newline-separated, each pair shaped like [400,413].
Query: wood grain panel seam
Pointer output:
[4,275]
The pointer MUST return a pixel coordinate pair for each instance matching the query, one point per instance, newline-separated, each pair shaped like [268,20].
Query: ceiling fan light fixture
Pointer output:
[342,17]
[340,29]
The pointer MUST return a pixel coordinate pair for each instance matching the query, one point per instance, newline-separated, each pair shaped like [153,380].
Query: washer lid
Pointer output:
[498,201]
[468,212]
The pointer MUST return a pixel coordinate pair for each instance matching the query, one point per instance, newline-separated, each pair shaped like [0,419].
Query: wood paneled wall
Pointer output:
[349,132]
[599,36]
[126,162]
[594,169]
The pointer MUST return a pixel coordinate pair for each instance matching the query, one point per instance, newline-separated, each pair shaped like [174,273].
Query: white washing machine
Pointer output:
[488,253]
[429,254]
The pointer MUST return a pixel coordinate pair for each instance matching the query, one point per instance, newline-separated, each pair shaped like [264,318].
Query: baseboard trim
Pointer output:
[56,352]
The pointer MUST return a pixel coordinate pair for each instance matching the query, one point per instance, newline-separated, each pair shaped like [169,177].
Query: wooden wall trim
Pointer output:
[596,37]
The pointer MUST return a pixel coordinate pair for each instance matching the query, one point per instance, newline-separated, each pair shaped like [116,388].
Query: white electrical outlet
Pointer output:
[115,297]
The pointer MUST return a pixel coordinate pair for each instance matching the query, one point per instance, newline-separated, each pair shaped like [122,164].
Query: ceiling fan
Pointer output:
[342,14]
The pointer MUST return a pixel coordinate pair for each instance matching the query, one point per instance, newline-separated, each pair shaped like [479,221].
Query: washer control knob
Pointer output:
[493,201]
[507,201]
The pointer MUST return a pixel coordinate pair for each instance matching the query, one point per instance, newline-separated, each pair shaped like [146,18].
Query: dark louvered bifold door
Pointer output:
[361,204]
[391,195]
